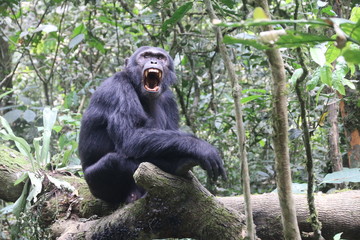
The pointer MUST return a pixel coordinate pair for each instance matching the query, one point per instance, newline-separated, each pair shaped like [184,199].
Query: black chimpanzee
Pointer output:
[133,118]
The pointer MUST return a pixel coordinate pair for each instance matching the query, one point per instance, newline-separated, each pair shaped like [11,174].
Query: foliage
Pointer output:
[61,51]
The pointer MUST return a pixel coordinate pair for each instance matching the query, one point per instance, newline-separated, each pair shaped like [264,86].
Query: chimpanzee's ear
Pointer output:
[126,62]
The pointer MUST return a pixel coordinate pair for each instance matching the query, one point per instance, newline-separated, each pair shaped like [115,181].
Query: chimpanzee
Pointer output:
[133,118]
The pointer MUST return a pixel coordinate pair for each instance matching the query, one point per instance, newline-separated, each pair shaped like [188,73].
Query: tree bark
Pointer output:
[350,113]
[175,207]
[334,149]
[5,70]
[280,138]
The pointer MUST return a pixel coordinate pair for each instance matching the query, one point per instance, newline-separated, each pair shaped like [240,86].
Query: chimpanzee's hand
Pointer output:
[211,161]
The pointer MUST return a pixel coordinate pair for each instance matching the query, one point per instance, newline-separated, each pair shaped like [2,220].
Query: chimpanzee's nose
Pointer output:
[153,62]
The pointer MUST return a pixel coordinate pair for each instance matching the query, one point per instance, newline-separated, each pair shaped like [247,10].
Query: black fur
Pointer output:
[126,124]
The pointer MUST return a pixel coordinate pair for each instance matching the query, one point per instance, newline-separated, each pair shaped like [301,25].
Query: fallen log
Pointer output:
[176,207]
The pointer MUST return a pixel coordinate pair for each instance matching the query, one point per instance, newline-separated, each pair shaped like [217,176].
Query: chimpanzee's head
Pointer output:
[151,70]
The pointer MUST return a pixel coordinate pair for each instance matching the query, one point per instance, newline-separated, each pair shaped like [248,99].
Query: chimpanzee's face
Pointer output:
[154,69]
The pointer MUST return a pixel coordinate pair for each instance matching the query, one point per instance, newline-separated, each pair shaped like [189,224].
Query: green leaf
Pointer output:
[314,81]
[177,16]
[349,83]
[229,3]
[36,186]
[21,204]
[351,29]
[6,93]
[248,42]
[339,86]
[13,115]
[329,11]
[345,175]
[318,56]
[20,143]
[105,19]
[332,53]
[22,178]
[296,39]
[76,40]
[355,14]
[60,184]
[78,30]
[49,116]
[250,98]
[259,14]
[338,76]
[97,43]
[263,91]
[297,73]
[352,55]
[325,75]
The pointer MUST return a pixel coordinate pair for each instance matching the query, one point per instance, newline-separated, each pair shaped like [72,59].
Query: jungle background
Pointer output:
[53,55]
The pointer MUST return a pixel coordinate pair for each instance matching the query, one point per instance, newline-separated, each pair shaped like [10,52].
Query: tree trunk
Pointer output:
[350,113]
[334,149]
[5,71]
[280,138]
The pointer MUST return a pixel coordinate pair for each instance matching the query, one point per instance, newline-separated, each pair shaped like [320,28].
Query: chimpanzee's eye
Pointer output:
[160,57]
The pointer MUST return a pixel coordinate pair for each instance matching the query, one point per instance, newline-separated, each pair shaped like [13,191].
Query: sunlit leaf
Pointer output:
[322,119]
[337,81]
[325,75]
[332,53]
[263,91]
[78,30]
[49,28]
[76,40]
[49,116]
[352,55]
[250,98]
[259,14]
[318,56]
[329,11]
[321,4]
[355,14]
[296,75]
[351,29]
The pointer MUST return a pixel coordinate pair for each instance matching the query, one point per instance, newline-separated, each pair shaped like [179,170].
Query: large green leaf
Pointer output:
[345,175]
[49,116]
[250,98]
[332,53]
[177,16]
[352,55]
[318,22]
[325,75]
[76,40]
[21,144]
[296,39]
[352,30]
[318,56]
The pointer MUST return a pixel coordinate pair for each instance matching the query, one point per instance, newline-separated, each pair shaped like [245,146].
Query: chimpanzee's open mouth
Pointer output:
[152,79]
